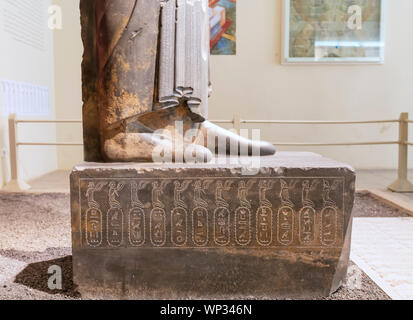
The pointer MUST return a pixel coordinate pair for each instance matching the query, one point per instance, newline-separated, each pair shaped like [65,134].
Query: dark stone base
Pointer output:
[148,231]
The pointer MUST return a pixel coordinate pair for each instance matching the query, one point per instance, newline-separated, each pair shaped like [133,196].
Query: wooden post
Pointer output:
[402,184]
[13,147]
[15,184]
[237,123]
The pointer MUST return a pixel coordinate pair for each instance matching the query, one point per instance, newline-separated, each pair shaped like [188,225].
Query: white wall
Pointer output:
[255,84]
[22,62]
[68,58]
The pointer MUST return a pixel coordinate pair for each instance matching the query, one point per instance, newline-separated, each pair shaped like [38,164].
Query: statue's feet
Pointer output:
[151,147]
[215,138]
[137,139]
[230,143]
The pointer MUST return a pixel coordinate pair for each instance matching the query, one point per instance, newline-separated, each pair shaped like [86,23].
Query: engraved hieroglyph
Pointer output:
[94,218]
[243,214]
[200,219]
[137,215]
[264,214]
[222,218]
[115,215]
[255,212]
[285,223]
[307,214]
[158,214]
[179,215]
[329,214]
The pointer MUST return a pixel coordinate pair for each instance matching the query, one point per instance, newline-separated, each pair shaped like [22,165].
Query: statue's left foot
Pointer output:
[232,143]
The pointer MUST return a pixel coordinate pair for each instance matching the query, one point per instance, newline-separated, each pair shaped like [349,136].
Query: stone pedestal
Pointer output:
[149,231]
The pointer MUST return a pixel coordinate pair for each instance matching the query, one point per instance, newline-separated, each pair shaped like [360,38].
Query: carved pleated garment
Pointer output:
[184,54]
[141,55]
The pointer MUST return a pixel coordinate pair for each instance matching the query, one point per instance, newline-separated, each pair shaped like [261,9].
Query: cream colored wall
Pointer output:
[68,57]
[21,62]
[254,84]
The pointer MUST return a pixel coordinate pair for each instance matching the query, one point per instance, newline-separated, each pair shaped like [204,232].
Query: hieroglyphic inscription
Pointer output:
[329,214]
[158,214]
[115,215]
[264,212]
[94,218]
[285,223]
[307,214]
[243,214]
[200,230]
[179,216]
[222,222]
[137,215]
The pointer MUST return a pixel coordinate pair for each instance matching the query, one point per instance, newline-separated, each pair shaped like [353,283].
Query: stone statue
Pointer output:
[146,68]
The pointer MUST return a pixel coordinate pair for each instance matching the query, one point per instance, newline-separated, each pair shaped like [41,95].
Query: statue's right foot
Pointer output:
[151,147]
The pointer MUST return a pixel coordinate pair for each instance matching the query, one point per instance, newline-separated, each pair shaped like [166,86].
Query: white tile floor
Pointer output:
[383,248]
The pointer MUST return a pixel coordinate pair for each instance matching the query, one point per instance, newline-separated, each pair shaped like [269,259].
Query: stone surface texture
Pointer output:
[148,230]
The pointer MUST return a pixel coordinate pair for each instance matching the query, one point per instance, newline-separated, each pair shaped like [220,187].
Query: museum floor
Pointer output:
[382,244]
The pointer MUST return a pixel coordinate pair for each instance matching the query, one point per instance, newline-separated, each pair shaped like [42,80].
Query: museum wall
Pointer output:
[255,85]
[26,61]
[68,58]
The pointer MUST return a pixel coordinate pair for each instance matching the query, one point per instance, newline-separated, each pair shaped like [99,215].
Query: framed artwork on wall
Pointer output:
[223,26]
[334,31]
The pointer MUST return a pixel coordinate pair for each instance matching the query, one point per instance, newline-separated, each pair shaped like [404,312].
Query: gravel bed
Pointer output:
[35,231]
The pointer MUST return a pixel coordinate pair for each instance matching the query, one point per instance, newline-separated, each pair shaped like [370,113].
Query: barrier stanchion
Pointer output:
[15,184]
[236,121]
[402,184]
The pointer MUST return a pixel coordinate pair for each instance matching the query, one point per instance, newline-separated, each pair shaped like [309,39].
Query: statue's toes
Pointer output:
[233,144]
[265,148]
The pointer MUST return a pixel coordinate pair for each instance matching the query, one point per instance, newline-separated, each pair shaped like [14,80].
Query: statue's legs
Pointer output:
[126,40]
[184,74]
[146,66]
